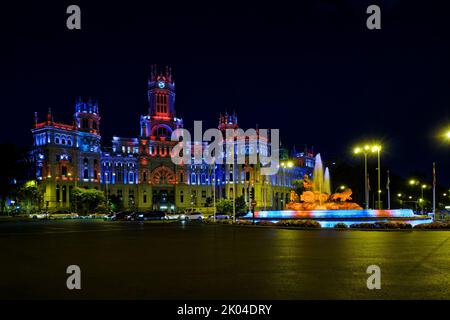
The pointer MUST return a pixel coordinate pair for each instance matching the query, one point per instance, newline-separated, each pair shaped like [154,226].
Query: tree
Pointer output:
[241,206]
[30,196]
[88,200]
[224,206]
[116,203]
[13,169]
[209,202]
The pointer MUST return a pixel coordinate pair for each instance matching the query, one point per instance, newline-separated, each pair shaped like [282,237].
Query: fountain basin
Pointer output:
[329,218]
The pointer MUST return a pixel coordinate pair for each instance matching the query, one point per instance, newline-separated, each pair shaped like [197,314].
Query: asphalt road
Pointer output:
[146,261]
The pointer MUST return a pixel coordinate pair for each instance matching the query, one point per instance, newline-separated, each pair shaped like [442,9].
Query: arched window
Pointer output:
[193,178]
[131,177]
[84,123]
[86,174]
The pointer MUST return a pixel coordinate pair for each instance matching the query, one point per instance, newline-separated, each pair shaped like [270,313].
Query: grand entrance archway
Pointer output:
[164,199]
[163,185]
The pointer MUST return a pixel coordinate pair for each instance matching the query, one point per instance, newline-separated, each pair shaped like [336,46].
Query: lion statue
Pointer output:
[294,196]
[342,196]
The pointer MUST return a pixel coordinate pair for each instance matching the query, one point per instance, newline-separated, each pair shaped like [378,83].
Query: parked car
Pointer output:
[132,216]
[120,216]
[108,216]
[174,216]
[63,214]
[152,215]
[196,216]
[43,215]
[219,216]
[98,215]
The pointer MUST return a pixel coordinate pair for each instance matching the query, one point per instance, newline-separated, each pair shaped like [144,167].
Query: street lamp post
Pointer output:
[214,187]
[76,185]
[365,151]
[106,188]
[422,199]
[234,182]
[377,149]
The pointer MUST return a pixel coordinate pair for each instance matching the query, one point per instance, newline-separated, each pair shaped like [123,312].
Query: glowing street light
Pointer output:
[365,150]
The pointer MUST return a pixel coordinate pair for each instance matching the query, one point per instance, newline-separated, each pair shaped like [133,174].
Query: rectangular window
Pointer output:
[57,194]
[64,194]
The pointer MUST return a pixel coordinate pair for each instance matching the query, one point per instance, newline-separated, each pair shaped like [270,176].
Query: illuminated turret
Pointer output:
[228,121]
[87,117]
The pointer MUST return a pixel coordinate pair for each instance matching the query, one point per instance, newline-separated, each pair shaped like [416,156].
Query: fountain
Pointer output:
[317,202]
[317,194]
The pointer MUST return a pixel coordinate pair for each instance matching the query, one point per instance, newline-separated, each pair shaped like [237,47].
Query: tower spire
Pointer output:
[49,115]
[36,120]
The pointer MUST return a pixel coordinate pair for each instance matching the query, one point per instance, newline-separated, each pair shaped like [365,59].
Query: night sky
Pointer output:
[312,70]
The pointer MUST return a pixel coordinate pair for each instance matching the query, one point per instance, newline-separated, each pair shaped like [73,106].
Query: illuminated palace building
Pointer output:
[139,171]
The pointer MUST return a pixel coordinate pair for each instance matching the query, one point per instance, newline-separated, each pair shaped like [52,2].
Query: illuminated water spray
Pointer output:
[326,182]
[321,180]
[318,174]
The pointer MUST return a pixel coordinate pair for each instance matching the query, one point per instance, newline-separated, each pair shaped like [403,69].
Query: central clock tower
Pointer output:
[161,119]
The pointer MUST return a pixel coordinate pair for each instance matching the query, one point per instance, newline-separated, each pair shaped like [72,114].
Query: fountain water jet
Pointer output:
[318,175]
[326,182]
